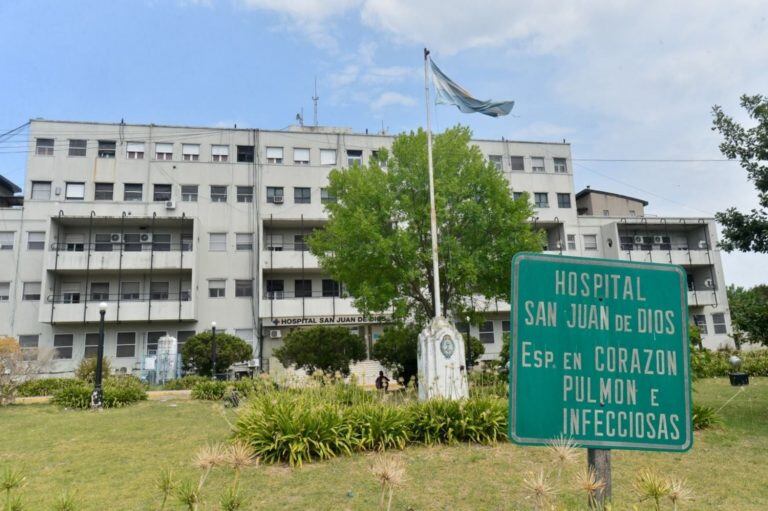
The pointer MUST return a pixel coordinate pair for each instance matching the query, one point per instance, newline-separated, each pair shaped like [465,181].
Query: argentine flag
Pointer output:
[451,93]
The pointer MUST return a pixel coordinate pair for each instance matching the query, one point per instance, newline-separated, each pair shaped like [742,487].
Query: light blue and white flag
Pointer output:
[451,93]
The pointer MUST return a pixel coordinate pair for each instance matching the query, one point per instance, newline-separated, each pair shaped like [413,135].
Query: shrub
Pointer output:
[87,369]
[209,390]
[328,348]
[196,353]
[704,417]
[44,386]
[248,387]
[377,427]
[73,396]
[708,364]
[396,350]
[118,391]
[184,383]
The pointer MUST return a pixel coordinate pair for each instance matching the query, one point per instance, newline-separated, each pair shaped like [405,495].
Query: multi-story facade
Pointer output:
[176,227]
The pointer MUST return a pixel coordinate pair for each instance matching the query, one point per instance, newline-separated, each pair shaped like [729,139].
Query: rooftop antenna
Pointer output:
[314,100]
[300,118]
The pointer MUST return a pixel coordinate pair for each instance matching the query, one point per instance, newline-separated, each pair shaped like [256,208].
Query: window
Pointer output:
[102,242]
[99,291]
[74,242]
[380,157]
[158,290]
[44,147]
[132,242]
[244,194]
[91,346]
[62,344]
[31,291]
[330,287]
[181,338]
[496,160]
[571,242]
[302,288]
[275,288]
[275,194]
[302,195]
[126,345]
[560,165]
[217,288]
[190,152]
[217,241]
[218,193]
[537,164]
[162,193]
[541,199]
[103,191]
[505,327]
[220,153]
[486,332]
[41,190]
[701,323]
[244,241]
[517,163]
[243,288]
[75,191]
[134,150]
[606,212]
[718,323]
[35,240]
[70,292]
[300,242]
[517,195]
[6,240]
[161,242]
[326,197]
[354,157]
[77,147]
[152,340]
[163,151]
[106,149]
[244,153]
[590,242]
[189,193]
[5,291]
[129,291]
[186,242]
[327,156]
[274,155]
[563,200]
[300,156]
[132,192]
[28,345]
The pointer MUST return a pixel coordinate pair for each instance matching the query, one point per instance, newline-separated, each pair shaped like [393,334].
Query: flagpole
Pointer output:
[432,214]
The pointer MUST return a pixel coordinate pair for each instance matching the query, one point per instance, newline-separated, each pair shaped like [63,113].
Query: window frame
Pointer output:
[245,154]
[539,204]
[243,246]
[97,192]
[560,163]
[274,160]
[59,347]
[217,156]
[44,149]
[132,152]
[38,244]
[216,195]
[219,243]
[587,243]
[165,192]
[297,161]
[486,332]
[244,197]
[5,245]
[74,184]
[243,291]
[324,153]
[120,343]
[517,159]
[272,193]
[193,156]
[217,292]
[560,202]
[188,195]
[302,195]
[35,189]
[107,149]
[534,167]
[164,155]
[132,193]
[74,149]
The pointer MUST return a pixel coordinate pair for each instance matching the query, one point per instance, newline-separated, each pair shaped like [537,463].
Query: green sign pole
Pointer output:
[599,354]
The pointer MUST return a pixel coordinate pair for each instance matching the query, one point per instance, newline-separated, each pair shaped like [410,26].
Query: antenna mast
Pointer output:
[314,100]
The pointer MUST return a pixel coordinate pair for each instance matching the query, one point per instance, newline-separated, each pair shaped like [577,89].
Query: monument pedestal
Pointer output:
[441,356]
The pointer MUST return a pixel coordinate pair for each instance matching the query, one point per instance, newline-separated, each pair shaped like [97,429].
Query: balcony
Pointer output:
[278,304]
[158,307]
[673,254]
[115,256]
[703,297]
[288,259]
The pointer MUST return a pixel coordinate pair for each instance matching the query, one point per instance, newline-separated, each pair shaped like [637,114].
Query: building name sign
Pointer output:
[599,353]
[329,320]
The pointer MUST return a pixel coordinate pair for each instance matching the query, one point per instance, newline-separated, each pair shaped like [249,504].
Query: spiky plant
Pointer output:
[16,504]
[9,481]
[206,459]
[165,483]
[231,500]
[538,487]
[650,485]
[66,501]
[588,482]
[678,492]
[188,495]
[238,456]
[564,452]
[390,472]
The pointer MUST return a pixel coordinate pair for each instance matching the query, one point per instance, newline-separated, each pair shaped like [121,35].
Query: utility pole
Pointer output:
[314,100]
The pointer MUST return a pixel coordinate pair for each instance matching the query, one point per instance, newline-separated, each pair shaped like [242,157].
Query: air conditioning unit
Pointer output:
[278,199]
[116,237]
[658,239]
[275,334]
[170,204]
[709,283]
[639,240]
[145,237]
[702,244]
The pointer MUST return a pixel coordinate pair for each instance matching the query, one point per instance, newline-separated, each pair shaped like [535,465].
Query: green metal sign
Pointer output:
[599,353]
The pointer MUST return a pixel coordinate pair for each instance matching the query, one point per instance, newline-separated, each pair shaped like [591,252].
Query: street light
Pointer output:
[97,397]
[213,349]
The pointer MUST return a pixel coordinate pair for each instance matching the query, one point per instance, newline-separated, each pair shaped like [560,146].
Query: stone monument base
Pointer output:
[441,359]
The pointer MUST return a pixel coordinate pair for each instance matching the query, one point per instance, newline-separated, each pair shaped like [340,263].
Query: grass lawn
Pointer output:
[112,458]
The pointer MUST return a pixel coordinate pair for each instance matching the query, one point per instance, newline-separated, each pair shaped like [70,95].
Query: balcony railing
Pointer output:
[71,298]
[284,295]
[272,246]
[126,247]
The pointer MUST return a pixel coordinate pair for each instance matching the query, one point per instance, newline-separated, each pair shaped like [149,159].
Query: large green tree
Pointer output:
[378,242]
[747,232]
[196,353]
[328,348]
[749,313]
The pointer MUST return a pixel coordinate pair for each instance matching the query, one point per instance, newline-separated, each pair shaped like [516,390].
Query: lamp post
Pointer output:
[213,349]
[467,346]
[97,397]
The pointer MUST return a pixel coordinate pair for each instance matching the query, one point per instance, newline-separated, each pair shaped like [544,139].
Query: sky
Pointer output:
[619,80]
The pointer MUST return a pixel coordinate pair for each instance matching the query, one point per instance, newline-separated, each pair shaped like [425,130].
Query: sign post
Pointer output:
[599,354]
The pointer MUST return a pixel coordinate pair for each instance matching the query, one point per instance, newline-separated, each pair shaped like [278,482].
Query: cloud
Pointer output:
[390,98]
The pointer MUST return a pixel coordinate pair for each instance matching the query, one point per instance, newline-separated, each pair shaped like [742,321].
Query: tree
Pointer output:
[475,349]
[196,353]
[18,365]
[377,240]
[746,232]
[749,313]
[328,348]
